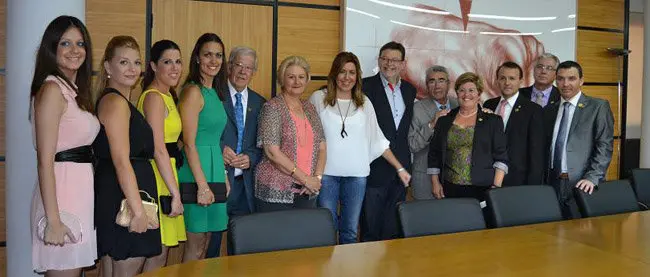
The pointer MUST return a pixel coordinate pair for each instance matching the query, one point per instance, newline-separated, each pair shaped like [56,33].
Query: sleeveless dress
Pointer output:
[212,121]
[74,190]
[172,229]
[112,239]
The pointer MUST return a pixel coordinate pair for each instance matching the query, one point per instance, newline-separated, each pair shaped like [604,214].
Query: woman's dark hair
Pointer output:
[46,60]
[156,52]
[337,65]
[219,81]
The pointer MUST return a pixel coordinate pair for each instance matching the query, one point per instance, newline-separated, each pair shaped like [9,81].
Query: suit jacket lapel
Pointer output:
[383,98]
[431,107]
[515,115]
[480,124]
[554,97]
[229,106]
[577,113]
[251,106]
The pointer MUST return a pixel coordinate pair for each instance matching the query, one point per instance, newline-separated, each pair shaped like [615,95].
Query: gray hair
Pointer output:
[548,56]
[434,69]
[239,51]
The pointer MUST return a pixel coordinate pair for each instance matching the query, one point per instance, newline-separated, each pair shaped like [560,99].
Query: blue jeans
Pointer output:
[350,192]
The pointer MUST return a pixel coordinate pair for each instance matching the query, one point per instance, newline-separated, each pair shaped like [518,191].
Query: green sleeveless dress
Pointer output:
[212,120]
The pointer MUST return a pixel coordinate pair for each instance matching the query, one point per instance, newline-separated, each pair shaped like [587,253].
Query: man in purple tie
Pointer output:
[543,92]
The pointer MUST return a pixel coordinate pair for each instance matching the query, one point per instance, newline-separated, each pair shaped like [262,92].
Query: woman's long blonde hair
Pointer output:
[116,42]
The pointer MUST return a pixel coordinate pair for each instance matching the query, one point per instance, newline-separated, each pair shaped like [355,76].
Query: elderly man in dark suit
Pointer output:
[543,92]
[522,120]
[580,134]
[393,100]
[239,137]
[425,115]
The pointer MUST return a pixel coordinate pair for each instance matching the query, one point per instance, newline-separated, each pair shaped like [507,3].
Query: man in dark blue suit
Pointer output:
[393,100]
[239,138]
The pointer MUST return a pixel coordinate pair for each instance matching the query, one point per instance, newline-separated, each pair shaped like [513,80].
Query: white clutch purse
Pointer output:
[69,220]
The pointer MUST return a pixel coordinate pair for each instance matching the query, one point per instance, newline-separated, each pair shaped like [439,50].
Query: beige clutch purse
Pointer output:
[124,215]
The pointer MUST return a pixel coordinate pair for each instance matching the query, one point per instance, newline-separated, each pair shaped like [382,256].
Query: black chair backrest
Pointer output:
[611,197]
[641,184]
[431,217]
[282,230]
[520,205]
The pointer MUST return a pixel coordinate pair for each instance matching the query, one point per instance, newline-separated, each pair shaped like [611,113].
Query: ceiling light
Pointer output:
[516,18]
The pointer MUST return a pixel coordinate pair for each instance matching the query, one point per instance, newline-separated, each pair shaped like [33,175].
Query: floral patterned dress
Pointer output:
[459,155]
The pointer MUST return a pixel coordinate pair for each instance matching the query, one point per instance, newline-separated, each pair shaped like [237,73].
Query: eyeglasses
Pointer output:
[438,82]
[240,66]
[389,61]
[547,67]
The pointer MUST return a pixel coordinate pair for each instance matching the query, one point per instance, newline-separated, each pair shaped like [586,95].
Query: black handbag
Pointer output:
[165,204]
[189,192]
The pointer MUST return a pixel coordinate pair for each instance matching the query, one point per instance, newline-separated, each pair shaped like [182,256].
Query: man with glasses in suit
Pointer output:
[543,92]
[425,115]
[239,138]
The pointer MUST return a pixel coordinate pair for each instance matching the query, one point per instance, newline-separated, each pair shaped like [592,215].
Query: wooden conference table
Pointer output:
[617,245]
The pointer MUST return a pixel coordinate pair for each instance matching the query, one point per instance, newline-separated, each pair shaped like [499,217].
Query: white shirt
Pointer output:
[350,156]
[244,102]
[510,103]
[395,99]
[556,129]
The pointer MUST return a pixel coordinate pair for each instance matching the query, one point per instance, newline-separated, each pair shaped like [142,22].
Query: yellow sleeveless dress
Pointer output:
[172,229]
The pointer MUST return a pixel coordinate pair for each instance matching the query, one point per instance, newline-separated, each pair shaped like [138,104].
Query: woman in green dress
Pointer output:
[204,119]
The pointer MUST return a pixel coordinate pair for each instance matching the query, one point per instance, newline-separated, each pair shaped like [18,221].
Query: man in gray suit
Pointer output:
[580,134]
[425,114]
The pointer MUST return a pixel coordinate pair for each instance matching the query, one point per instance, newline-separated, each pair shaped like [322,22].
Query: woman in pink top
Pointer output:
[63,233]
[291,135]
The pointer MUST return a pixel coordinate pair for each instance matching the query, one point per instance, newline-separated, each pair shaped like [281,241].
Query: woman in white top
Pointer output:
[354,141]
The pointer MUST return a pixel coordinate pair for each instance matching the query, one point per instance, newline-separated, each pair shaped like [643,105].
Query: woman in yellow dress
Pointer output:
[158,104]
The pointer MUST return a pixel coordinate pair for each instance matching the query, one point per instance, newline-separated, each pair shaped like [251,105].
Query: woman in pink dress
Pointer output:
[63,235]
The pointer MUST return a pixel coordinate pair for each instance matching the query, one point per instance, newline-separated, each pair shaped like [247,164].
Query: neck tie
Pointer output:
[239,117]
[560,141]
[392,88]
[502,108]
[539,99]
[443,107]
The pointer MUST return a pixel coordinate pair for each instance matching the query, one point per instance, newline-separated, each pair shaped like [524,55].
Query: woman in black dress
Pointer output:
[123,148]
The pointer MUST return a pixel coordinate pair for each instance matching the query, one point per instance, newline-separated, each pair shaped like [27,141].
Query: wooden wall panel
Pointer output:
[609,93]
[311,33]
[3,35]
[106,19]
[3,208]
[613,170]
[3,261]
[597,64]
[250,25]
[601,13]
[315,2]
[3,108]
[314,85]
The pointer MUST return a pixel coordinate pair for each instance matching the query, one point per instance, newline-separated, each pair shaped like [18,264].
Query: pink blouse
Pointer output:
[277,126]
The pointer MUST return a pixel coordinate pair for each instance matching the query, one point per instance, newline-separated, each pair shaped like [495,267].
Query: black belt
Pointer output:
[81,154]
[240,177]
[174,152]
